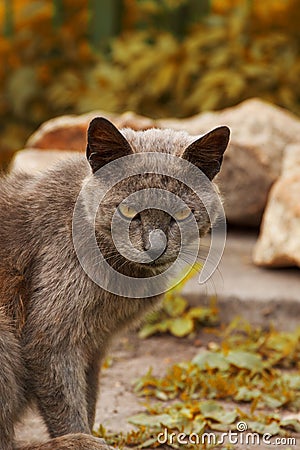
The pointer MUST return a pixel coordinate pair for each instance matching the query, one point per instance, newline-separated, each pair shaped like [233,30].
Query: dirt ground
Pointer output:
[131,358]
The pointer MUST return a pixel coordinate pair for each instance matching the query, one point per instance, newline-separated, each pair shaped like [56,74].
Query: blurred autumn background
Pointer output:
[158,58]
[178,58]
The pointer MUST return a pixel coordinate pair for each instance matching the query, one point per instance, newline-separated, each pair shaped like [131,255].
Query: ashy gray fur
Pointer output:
[55,323]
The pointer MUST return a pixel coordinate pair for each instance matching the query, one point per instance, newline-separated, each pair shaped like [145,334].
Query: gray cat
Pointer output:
[55,322]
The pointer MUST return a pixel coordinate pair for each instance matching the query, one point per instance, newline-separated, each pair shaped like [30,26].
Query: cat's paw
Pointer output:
[78,441]
[86,442]
[102,444]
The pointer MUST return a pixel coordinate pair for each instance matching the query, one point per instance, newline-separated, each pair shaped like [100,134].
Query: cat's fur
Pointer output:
[55,323]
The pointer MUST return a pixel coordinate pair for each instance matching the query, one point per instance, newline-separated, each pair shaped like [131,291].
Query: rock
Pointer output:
[252,163]
[69,132]
[244,181]
[253,122]
[260,132]
[131,120]
[57,138]
[279,241]
[34,160]
[245,290]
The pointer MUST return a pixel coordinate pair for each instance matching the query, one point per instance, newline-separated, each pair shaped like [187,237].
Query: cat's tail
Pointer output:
[69,442]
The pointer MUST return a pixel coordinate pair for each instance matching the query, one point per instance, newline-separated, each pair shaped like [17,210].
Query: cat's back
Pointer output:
[22,191]
[32,202]
[32,208]
[14,241]
[13,188]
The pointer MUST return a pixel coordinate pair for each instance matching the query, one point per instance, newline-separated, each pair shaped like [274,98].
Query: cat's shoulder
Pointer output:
[61,177]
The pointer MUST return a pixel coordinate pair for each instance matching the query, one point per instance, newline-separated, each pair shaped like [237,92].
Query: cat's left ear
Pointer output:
[105,143]
[207,151]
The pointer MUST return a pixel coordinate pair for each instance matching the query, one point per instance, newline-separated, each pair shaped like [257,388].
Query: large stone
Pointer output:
[32,160]
[259,134]
[244,181]
[279,241]
[69,132]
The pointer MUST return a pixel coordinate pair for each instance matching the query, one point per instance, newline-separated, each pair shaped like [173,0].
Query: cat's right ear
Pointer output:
[207,151]
[105,143]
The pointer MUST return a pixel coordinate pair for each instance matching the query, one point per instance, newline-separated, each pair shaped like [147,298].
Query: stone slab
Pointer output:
[260,295]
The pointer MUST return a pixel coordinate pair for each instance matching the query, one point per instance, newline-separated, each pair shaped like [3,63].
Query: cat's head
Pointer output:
[155,229]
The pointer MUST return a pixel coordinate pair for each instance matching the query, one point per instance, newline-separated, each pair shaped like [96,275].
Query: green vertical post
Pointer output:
[186,14]
[8,29]
[105,20]
[199,8]
[58,13]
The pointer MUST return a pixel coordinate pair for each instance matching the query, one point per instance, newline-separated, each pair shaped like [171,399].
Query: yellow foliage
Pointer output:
[242,49]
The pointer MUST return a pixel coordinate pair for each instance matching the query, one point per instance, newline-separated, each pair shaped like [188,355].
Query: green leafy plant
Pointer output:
[221,56]
[176,316]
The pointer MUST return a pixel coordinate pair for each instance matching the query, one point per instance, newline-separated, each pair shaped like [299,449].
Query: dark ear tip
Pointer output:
[223,130]
[98,121]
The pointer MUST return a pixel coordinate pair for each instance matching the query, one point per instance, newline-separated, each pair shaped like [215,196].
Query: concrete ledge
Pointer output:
[260,295]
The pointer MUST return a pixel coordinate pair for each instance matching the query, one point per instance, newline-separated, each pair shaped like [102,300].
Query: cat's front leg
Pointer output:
[58,382]
[60,386]
[92,385]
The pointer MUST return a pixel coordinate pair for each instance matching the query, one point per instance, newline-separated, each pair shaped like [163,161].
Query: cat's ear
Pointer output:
[105,143]
[207,151]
